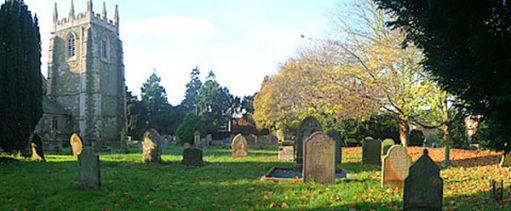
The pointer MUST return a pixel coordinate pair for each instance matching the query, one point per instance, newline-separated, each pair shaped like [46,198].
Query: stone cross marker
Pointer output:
[396,165]
[385,145]
[192,157]
[239,146]
[88,169]
[319,159]
[334,134]
[76,144]
[286,153]
[506,160]
[423,189]
[196,138]
[307,127]
[371,151]
[37,148]
[152,150]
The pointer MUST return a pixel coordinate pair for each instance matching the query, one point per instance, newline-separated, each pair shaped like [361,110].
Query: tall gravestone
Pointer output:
[319,159]
[423,189]
[192,157]
[196,138]
[307,127]
[334,134]
[88,169]
[386,144]
[371,151]
[396,165]
[239,146]
[76,144]
[151,145]
[37,148]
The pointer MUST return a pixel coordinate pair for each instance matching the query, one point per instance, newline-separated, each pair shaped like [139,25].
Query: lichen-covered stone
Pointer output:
[239,146]
[386,144]
[76,144]
[395,168]
[151,145]
[319,159]
[88,169]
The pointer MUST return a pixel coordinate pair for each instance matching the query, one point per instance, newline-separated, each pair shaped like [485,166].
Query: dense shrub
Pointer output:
[190,124]
[416,138]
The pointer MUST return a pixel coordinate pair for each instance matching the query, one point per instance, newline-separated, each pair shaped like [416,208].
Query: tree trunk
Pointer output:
[403,132]
[447,145]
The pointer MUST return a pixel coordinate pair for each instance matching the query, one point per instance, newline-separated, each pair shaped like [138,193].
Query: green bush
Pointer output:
[190,124]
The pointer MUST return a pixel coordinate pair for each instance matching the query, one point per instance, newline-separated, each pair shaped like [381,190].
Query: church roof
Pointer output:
[52,107]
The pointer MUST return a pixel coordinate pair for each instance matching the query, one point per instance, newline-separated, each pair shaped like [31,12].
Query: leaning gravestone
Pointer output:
[239,146]
[396,165]
[76,144]
[385,145]
[307,127]
[371,151]
[88,169]
[506,160]
[192,157]
[334,134]
[319,159]
[423,189]
[152,150]
[37,148]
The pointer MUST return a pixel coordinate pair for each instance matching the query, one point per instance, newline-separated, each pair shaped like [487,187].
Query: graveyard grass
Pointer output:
[223,183]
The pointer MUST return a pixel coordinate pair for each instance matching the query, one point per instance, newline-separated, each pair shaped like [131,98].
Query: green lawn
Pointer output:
[223,183]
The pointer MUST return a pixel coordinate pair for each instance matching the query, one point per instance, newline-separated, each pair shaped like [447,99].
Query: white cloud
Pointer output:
[171,27]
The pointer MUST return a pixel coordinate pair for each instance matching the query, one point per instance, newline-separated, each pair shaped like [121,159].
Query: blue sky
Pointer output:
[240,40]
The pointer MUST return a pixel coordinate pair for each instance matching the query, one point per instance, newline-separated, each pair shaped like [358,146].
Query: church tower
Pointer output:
[86,73]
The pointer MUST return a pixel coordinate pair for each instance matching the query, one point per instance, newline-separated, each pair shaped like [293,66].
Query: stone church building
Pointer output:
[85,88]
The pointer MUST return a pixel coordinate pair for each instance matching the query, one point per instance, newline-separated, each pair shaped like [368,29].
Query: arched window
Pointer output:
[71,46]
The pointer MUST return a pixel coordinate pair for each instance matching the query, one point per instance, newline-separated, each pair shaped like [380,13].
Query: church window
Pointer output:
[71,46]
[104,49]
[54,123]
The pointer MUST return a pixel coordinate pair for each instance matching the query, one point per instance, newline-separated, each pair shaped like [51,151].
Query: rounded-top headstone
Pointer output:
[386,144]
[76,144]
[239,146]
[192,157]
[307,127]
[37,148]
[395,168]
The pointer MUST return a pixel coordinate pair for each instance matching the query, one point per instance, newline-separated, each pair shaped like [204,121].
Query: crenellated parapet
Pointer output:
[88,17]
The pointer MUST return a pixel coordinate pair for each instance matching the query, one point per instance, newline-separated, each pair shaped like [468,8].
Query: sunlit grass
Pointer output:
[223,183]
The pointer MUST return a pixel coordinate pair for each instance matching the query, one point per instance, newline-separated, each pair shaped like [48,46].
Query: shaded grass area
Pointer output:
[223,183]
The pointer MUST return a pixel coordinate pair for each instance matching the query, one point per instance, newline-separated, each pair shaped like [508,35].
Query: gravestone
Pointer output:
[371,151]
[385,145]
[423,189]
[396,165]
[186,145]
[152,150]
[307,127]
[192,157]
[88,169]
[37,148]
[286,153]
[251,140]
[209,139]
[239,146]
[196,138]
[76,144]
[319,159]
[334,134]
[505,160]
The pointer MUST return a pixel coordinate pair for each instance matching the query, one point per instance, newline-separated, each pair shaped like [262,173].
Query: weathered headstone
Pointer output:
[186,145]
[76,144]
[386,144]
[319,159]
[286,153]
[396,165]
[37,148]
[152,150]
[192,157]
[506,160]
[196,138]
[88,169]
[334,134]
[371,151]
[307,127]
[239,146]
[423,189]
